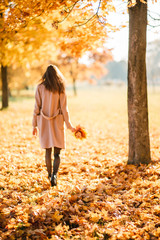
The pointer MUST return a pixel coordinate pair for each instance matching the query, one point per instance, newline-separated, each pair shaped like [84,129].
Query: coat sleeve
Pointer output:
[64,108]
[37,107]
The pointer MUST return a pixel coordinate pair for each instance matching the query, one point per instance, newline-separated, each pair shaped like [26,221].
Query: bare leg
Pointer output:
[48,161]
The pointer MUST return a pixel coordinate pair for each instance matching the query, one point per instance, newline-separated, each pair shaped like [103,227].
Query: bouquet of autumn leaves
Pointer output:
[80,132]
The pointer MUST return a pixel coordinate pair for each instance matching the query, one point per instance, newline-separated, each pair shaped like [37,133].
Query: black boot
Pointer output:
[54,180]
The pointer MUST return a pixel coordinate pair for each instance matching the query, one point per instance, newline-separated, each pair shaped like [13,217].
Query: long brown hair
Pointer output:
[53,80]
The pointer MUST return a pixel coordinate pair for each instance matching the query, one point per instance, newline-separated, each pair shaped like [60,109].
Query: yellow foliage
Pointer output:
[30,35]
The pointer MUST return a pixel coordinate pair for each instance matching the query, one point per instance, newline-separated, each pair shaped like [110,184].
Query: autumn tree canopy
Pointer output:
[32,31]
[23,25]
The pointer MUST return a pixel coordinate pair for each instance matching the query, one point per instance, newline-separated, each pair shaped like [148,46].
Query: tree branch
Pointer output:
[155,19]
[94,15]
[72,7]
[154,26]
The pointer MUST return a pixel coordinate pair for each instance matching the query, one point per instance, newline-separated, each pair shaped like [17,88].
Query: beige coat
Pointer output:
[46,116]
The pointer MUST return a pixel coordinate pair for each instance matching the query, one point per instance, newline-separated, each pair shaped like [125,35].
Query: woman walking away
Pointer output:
[50,112]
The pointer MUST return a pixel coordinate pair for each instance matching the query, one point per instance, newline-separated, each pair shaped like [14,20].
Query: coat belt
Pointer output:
[55,115]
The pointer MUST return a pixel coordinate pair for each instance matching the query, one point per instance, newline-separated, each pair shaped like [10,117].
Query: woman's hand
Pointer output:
[35,131]
[73,129]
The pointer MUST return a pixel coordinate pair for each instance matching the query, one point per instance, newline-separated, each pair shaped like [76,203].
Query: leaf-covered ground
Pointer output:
[98,196]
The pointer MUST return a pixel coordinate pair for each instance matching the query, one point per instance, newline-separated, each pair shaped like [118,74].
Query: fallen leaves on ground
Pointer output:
[98,195]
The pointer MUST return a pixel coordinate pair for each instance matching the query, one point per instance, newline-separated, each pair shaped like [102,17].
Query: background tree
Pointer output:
[76,69]
[70,68]
[20,44]
[139,144]
[20,48]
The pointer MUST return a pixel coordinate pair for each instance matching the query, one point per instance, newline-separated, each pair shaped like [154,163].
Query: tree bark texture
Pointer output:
[139,143]
[4,87]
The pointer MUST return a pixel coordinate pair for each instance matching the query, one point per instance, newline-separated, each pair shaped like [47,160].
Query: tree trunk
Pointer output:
[139,143]
[74,87]
[4,87]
